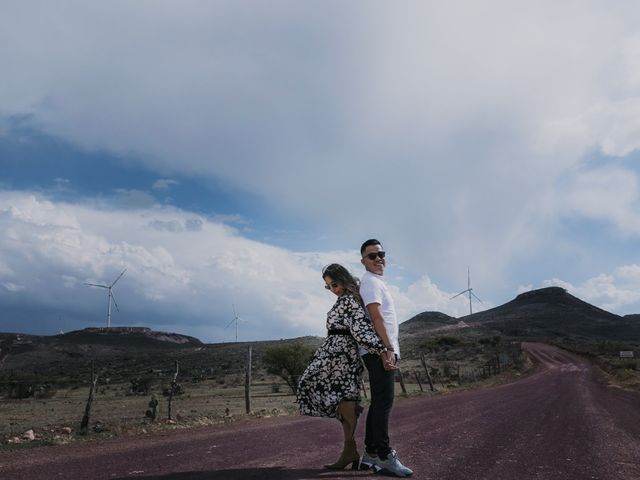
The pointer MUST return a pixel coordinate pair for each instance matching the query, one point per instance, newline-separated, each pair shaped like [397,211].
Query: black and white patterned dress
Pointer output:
[336,368]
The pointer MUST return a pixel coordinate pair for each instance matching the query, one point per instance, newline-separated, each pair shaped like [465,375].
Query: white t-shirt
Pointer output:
[374,290]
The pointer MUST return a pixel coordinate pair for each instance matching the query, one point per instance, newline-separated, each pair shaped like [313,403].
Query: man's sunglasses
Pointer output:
[333,285]
[372,256]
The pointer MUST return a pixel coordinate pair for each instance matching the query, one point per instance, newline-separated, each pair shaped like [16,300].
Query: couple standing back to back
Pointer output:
[362,326]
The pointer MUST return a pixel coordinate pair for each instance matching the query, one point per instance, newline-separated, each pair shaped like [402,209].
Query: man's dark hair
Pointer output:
[368,243]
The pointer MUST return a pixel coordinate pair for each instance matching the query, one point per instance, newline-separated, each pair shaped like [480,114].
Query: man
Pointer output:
[379,304]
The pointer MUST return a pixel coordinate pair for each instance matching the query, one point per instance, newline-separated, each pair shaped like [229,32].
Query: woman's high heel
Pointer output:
[348,456]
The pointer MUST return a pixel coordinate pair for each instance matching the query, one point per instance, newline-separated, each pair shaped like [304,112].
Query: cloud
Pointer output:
[424,295]
[447,129]
[176,274]
[608,194]
[62,185]
[164,184]
[12,287]
[428,101]
[134,198]
[617,292]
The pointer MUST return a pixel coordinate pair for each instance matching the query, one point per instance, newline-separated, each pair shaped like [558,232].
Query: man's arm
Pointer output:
[375,314]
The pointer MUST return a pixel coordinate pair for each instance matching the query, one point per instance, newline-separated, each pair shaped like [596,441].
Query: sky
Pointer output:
[223,152]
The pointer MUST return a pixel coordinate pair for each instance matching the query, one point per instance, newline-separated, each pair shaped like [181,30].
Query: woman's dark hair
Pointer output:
[342,277]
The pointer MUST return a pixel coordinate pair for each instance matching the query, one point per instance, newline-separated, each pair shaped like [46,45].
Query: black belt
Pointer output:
[334,331]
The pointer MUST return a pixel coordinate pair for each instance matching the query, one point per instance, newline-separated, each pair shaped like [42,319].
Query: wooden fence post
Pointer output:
[247,383]
[426,369]
[418,380]
[84,425]
[172,390]
[362,386]
[404,389]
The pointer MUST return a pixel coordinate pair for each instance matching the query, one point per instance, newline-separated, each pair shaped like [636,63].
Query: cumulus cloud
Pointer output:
[617,292]
[608,194]
[424,295]
[177,275]
[440,106]
[444,128]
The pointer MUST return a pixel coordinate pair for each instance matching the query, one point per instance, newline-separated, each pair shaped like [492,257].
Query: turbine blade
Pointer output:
[232,320]
[461,293]
[96,285]
[119,276]
[114,302]
[476,297]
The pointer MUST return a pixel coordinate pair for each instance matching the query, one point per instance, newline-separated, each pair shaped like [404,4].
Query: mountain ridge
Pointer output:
[548,312]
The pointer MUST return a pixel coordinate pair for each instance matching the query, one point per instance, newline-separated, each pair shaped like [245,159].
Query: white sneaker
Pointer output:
[392,465]
[370,461]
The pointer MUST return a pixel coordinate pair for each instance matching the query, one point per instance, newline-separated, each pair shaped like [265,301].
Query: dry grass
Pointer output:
[205,403]
[215,400]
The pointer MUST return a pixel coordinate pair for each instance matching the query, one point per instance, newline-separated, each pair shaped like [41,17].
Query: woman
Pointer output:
[330,386]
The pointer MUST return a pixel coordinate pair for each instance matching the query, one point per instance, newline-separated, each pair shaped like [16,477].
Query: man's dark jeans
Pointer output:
[382,383]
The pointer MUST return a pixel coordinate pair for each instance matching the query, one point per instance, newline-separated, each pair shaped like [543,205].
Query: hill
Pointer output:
[431,322]
[546,313]
[553,312]
[549,314]
[122,353]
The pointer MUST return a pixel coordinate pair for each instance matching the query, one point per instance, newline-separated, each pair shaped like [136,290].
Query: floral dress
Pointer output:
[336,368]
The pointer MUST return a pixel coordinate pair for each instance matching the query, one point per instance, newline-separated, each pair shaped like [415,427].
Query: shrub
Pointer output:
[21,390]
[448,341]
[45,390]
[625,375]
[179,390]
[140,386]
[492,341]
[288,361]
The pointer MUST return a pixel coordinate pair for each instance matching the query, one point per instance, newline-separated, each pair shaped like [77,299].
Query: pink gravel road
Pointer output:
[557,423]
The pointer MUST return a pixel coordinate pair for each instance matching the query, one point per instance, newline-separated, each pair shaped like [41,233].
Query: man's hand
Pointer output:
[389,361]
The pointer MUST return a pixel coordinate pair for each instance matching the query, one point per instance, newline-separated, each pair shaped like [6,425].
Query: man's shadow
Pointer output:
[267,473]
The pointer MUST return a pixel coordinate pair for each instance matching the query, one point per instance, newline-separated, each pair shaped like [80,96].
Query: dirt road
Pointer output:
[557,423]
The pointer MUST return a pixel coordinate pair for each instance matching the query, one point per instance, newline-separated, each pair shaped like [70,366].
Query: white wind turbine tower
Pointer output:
[111,297]
[235,319]
[469,290]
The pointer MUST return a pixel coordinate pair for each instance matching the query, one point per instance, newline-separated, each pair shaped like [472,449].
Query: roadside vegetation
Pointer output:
[605,354]
[132,391]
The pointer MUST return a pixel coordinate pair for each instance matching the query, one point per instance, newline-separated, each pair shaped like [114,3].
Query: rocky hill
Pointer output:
[69,353]
[544,313]
[431,322]
[548,313]
[138,337]
[88,343]
[553,312]
[122,353]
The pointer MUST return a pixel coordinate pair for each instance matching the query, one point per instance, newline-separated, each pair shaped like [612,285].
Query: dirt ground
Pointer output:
[559,422]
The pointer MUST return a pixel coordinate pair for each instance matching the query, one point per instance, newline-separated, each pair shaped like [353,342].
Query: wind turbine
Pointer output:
[235,319]
[469,290]
[111,297]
